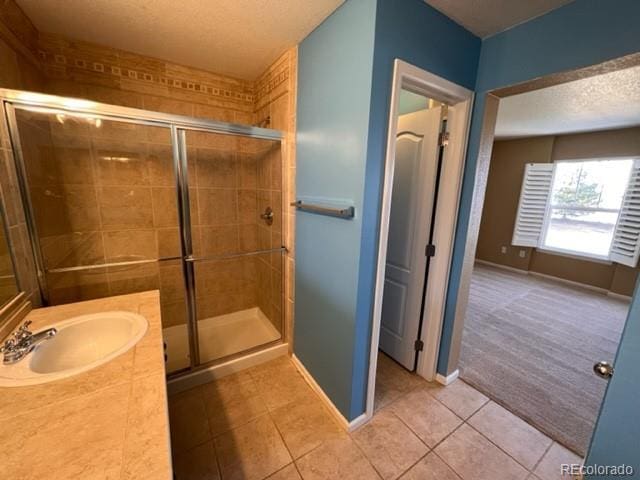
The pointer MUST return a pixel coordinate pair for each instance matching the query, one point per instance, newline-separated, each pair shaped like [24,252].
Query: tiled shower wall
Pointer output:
[79,69]
[19,70]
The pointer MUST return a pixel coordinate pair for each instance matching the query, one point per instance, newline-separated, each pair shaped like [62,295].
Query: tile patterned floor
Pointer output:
[267,423]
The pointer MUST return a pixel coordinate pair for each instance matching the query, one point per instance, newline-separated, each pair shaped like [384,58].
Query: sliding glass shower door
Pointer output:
[235,194]
[103,205]
[124,202]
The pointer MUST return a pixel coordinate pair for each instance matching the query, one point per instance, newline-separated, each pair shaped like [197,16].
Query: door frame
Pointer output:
[460,101]
[481,175]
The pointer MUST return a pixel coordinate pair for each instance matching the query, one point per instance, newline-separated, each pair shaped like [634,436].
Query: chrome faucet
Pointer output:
[22,343]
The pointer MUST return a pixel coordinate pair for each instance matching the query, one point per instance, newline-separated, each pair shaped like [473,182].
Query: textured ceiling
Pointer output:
[239,38]
[488,17]
[602,102]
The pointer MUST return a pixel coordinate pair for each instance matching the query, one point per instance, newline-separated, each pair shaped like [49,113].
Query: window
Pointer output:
[589,208]
[585,202]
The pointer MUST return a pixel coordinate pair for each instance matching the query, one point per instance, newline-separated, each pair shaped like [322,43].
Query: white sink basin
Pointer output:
[82,343]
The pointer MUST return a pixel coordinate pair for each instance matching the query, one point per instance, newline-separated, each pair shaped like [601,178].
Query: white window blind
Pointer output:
[625,247]
[534,197]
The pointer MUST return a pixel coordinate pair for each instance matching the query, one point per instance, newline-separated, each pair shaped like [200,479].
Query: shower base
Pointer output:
[219,337]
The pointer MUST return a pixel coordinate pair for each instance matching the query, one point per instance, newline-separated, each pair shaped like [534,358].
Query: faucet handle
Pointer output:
[23,333]
[25,326]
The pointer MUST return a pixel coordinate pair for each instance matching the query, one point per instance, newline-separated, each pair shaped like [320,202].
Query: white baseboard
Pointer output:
[441,379]
[346,424]
[206,375]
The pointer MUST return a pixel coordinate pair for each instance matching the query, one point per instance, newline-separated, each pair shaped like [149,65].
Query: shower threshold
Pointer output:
[219,337]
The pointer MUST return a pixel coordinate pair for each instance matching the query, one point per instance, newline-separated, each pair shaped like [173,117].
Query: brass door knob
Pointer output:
[603,369]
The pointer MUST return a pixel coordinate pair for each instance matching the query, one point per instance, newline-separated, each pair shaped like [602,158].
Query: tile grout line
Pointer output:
[543,455]
[364,455]
[501,449]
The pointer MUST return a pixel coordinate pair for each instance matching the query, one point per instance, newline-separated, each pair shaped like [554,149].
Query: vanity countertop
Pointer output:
[107,423]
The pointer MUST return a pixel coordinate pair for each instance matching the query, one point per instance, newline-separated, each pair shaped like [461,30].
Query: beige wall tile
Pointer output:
[216,168]
[73,249]
[171,282]
[217,206]
[248,238]
[125,207]
[174,313]
[219,240]
[76,286]
[128,245]
[59,165]
[248,169]
[131,279]
[120,163]
[167,105]
[165,207]
[248,207]
[64,209]
[160,165]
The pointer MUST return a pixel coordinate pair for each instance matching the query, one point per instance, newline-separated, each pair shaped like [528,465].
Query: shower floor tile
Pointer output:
[220,337]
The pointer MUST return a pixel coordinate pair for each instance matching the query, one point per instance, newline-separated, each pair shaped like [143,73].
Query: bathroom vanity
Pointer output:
[109,422]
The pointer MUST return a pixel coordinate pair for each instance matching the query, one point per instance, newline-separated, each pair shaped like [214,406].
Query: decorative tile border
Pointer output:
[65,64]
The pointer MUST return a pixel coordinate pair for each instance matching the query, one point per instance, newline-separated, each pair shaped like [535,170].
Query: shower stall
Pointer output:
[121,200]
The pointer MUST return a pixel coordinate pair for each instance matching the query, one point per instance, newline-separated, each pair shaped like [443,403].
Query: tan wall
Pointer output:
[84,70]
[501,203]
[508,161]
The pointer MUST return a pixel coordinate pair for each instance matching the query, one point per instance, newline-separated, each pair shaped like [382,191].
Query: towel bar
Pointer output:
[347,212]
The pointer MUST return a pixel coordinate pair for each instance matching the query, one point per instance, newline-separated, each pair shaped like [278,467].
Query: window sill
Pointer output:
[585,257]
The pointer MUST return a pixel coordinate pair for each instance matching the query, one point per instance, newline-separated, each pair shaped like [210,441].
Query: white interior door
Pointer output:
[412,199]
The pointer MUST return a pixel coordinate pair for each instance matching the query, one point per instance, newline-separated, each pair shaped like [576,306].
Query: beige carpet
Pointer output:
[530,345]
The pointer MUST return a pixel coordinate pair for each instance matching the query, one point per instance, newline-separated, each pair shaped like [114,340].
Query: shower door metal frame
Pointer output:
[177,125]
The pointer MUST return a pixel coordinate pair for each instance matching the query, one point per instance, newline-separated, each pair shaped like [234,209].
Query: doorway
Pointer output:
[548,289]
[426,145]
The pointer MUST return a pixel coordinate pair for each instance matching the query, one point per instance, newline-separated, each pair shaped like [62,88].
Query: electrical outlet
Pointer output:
[523,253]
[503,249]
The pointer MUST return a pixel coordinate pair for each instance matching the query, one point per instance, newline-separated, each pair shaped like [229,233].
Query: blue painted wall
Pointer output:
[344,84]
[582,33]
[414,32]
[335,64]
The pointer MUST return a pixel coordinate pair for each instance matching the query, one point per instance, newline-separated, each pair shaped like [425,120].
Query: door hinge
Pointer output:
[443,139]
[430,250]
[418,345]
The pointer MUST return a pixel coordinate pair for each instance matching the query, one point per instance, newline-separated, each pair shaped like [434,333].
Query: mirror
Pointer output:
[8,282]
